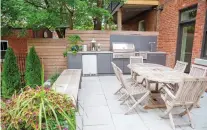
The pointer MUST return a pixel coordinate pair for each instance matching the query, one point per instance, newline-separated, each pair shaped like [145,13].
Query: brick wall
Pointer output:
[18,44]
[169,23]
[150,21]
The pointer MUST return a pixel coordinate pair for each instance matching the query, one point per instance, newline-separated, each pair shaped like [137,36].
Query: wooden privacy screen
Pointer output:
[51,50]
[103,37]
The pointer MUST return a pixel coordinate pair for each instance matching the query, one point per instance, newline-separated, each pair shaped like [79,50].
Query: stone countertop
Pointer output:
[93,52]
[150,52]
[96,52]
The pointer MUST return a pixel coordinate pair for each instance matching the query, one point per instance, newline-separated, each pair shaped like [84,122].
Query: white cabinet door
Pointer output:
[89,64]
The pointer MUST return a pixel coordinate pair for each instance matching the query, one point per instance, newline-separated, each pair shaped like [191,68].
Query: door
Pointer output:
[74,61]
[104,63]
[186,41]
[126,70]
[186,35]
[89,64]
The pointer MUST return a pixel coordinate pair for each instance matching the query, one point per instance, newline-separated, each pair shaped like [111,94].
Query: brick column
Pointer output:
[199,29]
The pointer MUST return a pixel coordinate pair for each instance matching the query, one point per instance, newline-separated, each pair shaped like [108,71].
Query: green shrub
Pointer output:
[10,75]
[42,75]
[38,109]
[54,77]
[73,45]
[33,69]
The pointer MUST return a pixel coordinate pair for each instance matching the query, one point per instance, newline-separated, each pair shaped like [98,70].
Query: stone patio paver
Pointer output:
[99,109]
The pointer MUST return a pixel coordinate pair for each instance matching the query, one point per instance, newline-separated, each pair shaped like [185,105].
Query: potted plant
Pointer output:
[73,44]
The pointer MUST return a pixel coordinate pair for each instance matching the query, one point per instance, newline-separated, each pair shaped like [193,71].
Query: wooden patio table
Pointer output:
[158,74]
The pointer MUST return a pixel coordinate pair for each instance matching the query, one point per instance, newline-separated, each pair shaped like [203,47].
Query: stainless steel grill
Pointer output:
[123,50]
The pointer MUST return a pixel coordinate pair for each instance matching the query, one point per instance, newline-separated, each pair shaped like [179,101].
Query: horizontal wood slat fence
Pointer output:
[51,50]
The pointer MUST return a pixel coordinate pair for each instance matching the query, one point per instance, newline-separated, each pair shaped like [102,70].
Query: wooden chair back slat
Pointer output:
[121,77]
[180,66]
[190,90]
[136,59]
[115,70]
[198,71]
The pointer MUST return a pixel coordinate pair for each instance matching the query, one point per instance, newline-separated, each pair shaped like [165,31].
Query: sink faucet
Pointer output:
[151,45]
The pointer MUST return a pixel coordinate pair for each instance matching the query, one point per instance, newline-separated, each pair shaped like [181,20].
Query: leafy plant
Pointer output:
[54,77]
[74,39]
[33,69]
[38,109]
[73,47]
[10,75]
[42,74]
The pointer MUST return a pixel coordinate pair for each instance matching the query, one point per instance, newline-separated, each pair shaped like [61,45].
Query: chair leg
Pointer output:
[166,113]
[190,118]
[142,82]
[137,102]
[118,91]
[198,105]
[171,121]
[185,112]
[157,87]
[122,97]
[124,100]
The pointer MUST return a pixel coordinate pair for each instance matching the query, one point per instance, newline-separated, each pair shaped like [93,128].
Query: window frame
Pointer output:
[1,59]
[203,56]
[186,9]
[179,32]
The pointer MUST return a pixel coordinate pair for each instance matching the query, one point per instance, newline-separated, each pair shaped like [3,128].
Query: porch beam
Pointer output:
[142,2]
[119,19]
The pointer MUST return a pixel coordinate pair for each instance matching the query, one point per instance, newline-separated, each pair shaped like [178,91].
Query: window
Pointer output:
[188,15]
[205,45]
[141,26]
[4,46]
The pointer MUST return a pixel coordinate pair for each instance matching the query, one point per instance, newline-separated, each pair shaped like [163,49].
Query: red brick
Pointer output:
[169,23]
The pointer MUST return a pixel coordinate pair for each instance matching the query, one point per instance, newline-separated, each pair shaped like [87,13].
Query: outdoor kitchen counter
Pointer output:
[104,59]
[93,52]
[156,52]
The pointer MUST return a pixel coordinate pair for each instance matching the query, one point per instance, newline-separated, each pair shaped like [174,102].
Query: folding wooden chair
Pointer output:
[187,96]
[198,71]
[180,66]
[129,81]
[134,60]
[133,91]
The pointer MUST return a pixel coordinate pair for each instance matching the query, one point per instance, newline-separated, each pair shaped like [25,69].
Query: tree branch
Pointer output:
[38,6]
[47,3]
